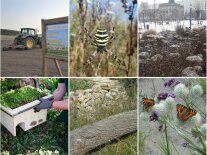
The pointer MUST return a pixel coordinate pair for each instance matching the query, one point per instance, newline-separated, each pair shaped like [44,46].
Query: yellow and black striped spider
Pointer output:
[101,40]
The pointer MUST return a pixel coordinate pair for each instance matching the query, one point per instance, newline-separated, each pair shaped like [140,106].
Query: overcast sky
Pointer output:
[156,1]
[28,13]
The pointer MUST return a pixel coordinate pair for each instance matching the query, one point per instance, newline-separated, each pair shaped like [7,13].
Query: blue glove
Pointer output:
[44,104]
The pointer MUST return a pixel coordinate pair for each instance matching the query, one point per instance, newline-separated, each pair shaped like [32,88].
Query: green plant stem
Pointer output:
[200,111]
[175,148]
[194,146]
[166,138]
[197,149]
[201,140]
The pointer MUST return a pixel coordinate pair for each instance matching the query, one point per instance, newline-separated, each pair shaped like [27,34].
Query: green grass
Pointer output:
[142,140]
[18,97]
[80,84]
[123,146]
[58,53]
[45,138]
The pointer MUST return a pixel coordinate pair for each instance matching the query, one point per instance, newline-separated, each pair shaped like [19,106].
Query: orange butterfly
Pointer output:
[185,113]
[148,103]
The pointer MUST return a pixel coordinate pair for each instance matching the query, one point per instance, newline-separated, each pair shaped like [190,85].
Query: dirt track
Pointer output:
[21,63]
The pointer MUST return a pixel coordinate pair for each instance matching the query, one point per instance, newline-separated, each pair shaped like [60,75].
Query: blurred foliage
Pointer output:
[202,82]
[48,84]
[9,83]
[80,84]
[18,97]
[47,138]
[130,85]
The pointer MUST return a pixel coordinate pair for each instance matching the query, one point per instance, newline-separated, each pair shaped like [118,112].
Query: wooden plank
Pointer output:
[89,137]
[44,65]
[56,20]
[58,67]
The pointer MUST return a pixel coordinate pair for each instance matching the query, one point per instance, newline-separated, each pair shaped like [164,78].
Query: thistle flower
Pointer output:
[170,103]
[160,108]
[163,96]
[172,95]
[196,120]
[203,129]
[196,91]
[156,100]
[153,116]
[144,116]
[181,90]
[171,83]
[160,127]
[185,144]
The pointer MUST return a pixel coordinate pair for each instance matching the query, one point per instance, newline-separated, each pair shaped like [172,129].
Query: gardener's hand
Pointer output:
[44,104]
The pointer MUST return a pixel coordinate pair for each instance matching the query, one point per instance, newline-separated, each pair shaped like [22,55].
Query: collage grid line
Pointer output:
[121,77]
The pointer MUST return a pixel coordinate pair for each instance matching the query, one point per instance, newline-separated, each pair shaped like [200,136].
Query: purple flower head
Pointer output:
[153,116]
[160,127]
[176,83]
[171,83]
[163,96]
[184,144]
[172,95]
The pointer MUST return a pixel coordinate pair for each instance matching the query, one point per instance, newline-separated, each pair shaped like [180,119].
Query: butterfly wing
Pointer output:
[148,103]
[185,113]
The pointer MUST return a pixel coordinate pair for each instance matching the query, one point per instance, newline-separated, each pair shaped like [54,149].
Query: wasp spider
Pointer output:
[101,40]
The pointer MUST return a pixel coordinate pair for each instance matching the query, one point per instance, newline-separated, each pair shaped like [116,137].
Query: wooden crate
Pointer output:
[24,116]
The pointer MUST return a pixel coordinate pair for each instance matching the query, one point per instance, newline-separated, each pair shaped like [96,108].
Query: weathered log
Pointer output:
[89,137]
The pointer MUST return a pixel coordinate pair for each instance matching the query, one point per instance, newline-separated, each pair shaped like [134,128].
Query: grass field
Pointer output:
[7,37]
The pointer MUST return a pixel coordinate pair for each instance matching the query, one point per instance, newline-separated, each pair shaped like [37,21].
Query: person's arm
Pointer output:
[63,105]
[59,92]
[56,103]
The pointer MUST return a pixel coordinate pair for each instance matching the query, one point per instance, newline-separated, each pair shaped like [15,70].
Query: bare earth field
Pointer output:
[21,63]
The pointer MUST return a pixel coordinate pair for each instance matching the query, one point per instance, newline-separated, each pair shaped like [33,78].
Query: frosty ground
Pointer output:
[171,26]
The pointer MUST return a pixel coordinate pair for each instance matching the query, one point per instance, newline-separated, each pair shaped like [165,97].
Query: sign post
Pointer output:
[54,42]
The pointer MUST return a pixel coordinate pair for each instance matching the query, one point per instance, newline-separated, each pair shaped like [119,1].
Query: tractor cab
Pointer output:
[28,31]
[29,38]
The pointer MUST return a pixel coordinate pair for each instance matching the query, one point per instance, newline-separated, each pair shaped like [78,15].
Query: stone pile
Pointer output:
[104,95]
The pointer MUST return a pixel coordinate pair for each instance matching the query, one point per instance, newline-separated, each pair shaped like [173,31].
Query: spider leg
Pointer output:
[88,34]
[89,61]
[91,41]
[115,58]
[112,37]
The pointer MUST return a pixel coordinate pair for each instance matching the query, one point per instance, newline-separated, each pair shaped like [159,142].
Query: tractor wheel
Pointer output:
[29,42]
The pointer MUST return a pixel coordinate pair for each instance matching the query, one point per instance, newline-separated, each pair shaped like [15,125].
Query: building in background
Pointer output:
[198,8]
[171,11]
[161,12]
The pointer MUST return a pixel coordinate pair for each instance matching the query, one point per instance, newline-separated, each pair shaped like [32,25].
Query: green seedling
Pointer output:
[19,97]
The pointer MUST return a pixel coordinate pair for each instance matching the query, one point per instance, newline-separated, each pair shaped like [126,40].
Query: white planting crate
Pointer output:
[24,116]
